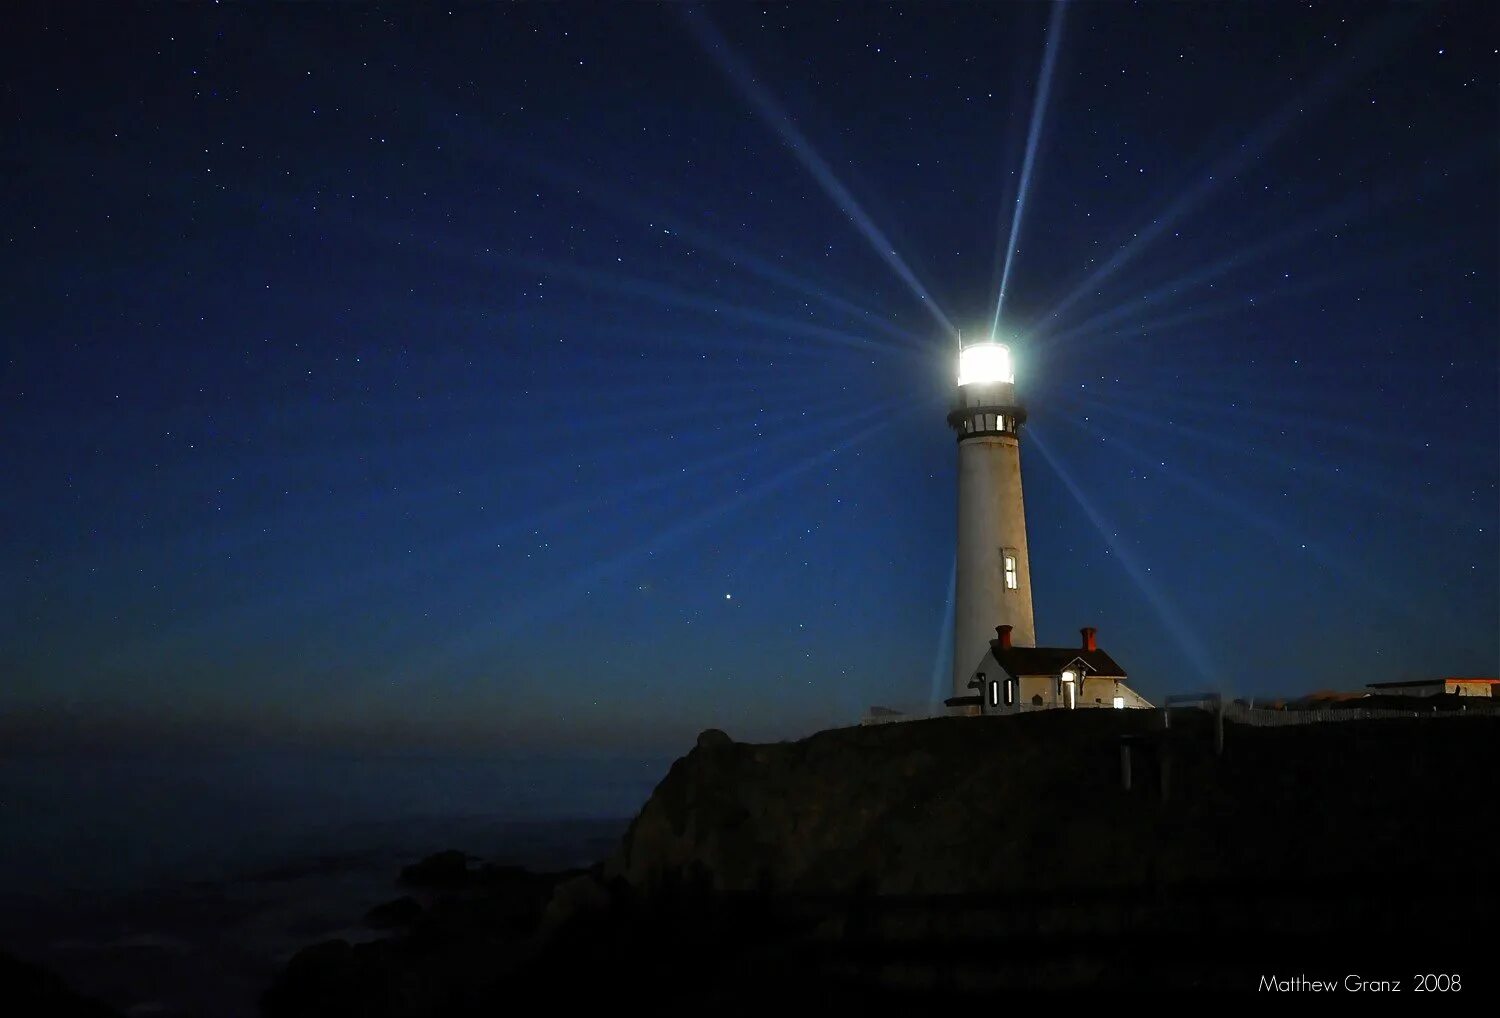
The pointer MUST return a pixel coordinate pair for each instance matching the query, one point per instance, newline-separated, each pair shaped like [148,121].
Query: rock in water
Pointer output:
[401,912]
[441,869]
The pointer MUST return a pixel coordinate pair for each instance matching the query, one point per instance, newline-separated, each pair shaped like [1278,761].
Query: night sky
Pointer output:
[575,375]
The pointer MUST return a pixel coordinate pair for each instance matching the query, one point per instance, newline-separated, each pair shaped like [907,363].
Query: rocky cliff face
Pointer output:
[917,863]
[1035,802]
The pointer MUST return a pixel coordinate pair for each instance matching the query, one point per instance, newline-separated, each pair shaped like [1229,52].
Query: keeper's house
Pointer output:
[1011,679]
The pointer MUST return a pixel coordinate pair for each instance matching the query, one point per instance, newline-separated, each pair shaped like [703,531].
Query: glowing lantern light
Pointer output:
[985,363]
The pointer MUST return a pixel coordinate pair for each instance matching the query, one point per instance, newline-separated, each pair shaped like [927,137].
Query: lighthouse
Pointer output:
[993,580]
[998,670]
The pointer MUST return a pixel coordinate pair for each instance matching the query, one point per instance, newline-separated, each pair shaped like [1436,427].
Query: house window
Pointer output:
[1119,703]
[1070,689]
[995,693]
[1010,692]
[1012,571]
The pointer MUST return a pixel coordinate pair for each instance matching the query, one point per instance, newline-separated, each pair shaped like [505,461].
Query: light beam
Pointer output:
[1033,133]
[766,108]
[1158,601]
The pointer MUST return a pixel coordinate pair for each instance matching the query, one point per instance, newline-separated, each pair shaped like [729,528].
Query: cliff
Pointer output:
[956,858]
[1035,802]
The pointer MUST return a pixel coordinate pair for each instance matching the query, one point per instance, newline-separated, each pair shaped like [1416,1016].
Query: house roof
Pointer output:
[1020,661]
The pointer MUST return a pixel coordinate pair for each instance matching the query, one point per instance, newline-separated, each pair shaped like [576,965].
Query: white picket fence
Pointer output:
[1265,717]
[1241,714]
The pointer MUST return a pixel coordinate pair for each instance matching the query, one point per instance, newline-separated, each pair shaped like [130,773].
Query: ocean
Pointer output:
[178,882]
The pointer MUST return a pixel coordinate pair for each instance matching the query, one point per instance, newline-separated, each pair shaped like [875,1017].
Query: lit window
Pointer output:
[994,694]
[1119,703]
[1070,689]
[1010,692]
[1012,572]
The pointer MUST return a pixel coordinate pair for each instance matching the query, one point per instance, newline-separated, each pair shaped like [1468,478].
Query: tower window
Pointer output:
[1012,572]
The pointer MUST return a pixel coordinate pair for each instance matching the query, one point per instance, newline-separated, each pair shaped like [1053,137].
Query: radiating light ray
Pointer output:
[401,235]
[463,137]
[614,202]
[1308,469]
[623,435]
[684,388]
[1362,55]
[701,345]
[1262,408]
[743,259]
[759,547]
[550,171]
[1363,205]
[624,285]
[466,139]
[619,437]
[1175,288]
[1176,626]
[357,583]
[1033,134]
[942,660]
[1236,508]
[760,100]
[645,402]
[363,582]
[246,532]
[547,603]
[632,286]
[1360,581]
[740,258]
[1104,336]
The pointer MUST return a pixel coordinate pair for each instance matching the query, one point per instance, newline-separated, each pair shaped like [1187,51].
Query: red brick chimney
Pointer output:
[1090,642]
[1004,633]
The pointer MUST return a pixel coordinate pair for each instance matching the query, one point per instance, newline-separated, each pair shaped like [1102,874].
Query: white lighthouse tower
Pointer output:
[993,583]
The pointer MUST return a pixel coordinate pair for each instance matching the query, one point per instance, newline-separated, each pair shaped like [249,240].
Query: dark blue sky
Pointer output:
[507,376]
